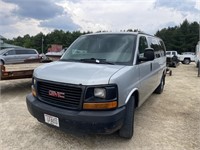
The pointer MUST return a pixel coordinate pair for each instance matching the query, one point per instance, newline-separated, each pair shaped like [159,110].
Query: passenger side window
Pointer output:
[21,52]
[31,52]
[142,45]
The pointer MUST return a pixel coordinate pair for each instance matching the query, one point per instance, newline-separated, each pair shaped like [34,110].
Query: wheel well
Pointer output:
[136,95]
[187,58]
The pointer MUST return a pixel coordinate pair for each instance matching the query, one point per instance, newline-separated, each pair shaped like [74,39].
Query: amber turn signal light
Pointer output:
[33,90]
[100,106]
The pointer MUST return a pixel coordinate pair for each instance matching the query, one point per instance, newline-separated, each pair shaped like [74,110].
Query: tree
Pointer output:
[180,38]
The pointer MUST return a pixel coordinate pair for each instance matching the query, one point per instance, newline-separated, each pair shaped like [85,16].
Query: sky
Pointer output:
[21,17]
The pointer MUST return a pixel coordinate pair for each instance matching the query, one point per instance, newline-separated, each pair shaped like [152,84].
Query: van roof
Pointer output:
[17,48]
[133,33]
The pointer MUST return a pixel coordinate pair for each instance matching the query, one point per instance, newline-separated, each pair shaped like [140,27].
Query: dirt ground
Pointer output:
[167,121]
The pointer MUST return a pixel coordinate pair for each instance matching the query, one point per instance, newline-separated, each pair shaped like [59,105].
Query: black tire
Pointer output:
[160,87]
[186,61]
[174,65]
[128,126]
[197,64]
[1,62]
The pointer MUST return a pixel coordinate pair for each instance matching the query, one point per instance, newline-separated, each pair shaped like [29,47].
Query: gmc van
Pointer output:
[99,82]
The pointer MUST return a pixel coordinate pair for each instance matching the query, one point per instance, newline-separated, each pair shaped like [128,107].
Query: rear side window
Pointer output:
[31,52]
[158,46]
[21,52]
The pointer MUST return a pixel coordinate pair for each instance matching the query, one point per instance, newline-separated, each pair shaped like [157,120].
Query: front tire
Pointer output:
[160,87]
[128,126]
[1,62]
[197,65]
[186,61]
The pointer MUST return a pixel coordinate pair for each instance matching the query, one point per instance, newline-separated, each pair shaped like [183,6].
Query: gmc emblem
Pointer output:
[56,94]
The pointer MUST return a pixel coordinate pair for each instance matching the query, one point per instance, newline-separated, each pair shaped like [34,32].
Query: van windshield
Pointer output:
[102,48]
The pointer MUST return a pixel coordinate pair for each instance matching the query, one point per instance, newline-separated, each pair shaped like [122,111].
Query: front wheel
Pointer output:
[128,126]
[1,62]
[160,87]
[186,61]
[197,65]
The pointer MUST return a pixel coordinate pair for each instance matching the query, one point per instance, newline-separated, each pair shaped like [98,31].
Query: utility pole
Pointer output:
[42,44]
[0,42]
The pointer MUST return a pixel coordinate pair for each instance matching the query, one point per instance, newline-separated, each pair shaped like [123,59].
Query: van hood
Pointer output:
[76,72]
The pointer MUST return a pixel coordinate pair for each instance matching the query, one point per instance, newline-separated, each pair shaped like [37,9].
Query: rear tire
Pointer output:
[128,126]
[197,65]
[160,88]
[186,61]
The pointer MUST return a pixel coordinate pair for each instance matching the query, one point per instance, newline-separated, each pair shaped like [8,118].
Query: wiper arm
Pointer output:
[98,61]
[92,60]
[107,62]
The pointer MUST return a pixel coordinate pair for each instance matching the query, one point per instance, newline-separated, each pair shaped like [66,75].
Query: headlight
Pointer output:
[100,92]
[101,97]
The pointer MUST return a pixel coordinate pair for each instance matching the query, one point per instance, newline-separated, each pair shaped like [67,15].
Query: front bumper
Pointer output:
[104,122]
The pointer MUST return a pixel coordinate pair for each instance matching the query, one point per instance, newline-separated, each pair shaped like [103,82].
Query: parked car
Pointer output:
[17,55]
[99,82]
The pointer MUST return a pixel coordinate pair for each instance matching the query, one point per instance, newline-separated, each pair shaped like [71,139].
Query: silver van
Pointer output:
[99,82]
[17,55]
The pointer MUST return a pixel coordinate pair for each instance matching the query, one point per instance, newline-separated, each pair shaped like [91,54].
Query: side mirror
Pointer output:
[149,54]
[5,54]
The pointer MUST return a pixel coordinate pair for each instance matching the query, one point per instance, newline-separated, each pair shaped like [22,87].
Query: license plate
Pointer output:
[51,120]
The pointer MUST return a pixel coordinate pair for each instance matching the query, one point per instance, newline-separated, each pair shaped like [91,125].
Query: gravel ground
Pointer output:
[167,121]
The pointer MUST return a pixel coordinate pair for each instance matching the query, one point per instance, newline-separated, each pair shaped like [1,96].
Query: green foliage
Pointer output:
[181,38]
[55,37]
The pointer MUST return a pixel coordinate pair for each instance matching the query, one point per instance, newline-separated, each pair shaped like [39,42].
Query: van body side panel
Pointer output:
[148,82]
[127,79]
[162,67]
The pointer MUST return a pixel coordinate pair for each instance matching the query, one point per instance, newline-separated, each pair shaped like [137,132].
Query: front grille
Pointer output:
[72,94]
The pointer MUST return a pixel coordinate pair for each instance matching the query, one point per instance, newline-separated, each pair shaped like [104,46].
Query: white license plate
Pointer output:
[51,120]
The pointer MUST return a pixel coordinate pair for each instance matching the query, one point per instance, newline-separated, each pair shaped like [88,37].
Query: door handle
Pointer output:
[151,66]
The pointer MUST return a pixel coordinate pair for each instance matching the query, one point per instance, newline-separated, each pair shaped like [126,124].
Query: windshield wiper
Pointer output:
[97,61]
[73,60]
